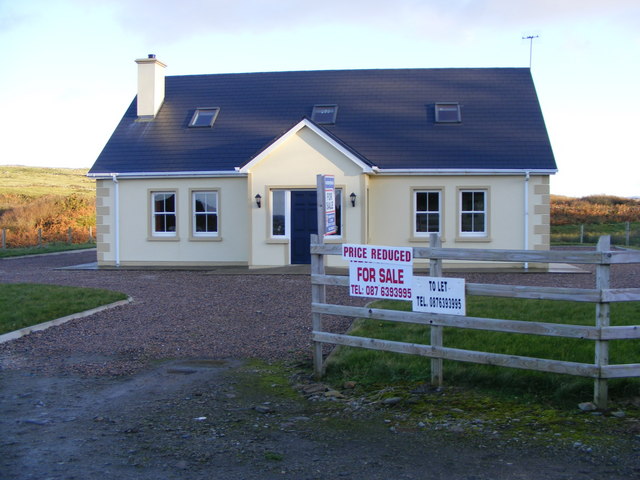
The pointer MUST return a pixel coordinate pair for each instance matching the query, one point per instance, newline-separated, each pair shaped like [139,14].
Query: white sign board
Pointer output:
[330,205]
[379,272]
[439,295]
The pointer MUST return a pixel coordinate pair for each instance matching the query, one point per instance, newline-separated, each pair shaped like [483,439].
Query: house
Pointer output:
[221,169]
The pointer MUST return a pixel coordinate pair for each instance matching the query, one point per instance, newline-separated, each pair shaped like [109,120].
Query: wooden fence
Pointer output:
[601,296]
[37,238]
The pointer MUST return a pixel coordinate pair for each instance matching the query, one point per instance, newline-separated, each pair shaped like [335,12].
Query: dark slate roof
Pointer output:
[384,116]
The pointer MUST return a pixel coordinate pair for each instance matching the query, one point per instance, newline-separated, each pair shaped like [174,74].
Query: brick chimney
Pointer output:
[150,86]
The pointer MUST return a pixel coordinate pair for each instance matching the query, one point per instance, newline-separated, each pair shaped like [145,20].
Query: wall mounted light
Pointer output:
[259,200]
[353,199]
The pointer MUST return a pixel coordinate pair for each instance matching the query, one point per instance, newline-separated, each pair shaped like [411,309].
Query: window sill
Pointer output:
[217,238]
[278,240]
[472,239]
[425,239]
[173,238]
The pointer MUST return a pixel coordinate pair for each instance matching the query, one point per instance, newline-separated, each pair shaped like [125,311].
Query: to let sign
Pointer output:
[380,272]
[439,295]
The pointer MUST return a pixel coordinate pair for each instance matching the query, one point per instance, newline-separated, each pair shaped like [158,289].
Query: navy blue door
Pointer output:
[303,223]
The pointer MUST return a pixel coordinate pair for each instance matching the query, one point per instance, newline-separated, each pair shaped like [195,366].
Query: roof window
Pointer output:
[448,113]
[204,117]
[324,114]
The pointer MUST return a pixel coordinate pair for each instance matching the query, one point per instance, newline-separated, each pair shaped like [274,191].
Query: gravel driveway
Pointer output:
[161,389]
[197,314]
[174,314]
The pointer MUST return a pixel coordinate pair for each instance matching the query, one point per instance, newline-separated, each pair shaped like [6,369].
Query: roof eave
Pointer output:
[187,174]
[463,171]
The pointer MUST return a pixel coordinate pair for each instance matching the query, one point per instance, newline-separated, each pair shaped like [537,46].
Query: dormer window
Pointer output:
[204,117]
[324,114]
[448,113]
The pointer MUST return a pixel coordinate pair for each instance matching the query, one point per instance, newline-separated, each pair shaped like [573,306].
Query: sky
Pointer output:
[67,70]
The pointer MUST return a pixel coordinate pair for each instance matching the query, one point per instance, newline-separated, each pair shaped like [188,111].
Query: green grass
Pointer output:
[371,367]
[35,181]
[24,305]
[48,248]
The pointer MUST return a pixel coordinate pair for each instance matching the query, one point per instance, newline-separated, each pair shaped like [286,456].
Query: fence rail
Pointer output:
[602,295]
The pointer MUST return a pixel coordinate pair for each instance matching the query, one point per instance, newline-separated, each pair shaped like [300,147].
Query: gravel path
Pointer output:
[196,314]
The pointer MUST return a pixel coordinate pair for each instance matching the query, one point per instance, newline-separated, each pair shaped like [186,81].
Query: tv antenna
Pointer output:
[530,38]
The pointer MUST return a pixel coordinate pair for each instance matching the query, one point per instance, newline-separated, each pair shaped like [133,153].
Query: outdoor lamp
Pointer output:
[353,199]
[258,200]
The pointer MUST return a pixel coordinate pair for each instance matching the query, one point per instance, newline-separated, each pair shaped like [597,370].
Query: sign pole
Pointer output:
[318,292]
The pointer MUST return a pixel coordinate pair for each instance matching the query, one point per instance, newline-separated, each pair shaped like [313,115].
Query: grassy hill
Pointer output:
[34,182]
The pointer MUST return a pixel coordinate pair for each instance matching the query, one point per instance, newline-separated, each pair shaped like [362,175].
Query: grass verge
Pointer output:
[49,248]
[374,368]
[25,304]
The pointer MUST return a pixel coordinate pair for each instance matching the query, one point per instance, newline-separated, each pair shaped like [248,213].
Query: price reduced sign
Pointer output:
[379,272]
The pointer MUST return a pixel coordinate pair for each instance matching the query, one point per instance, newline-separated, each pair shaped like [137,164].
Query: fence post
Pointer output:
[39,237]
[4,238]
[627,232]
[69,235]
[603,277]
[582,233]
[318,292]
[435,270]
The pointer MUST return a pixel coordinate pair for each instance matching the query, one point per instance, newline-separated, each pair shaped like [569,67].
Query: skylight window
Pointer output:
[324,114]
[204,117]
[448,113]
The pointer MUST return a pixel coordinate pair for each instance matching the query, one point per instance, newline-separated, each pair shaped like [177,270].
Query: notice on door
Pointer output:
[439,295]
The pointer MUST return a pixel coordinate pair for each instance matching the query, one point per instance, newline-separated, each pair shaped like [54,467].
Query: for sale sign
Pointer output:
[380,272]
[330,205]
[439,295]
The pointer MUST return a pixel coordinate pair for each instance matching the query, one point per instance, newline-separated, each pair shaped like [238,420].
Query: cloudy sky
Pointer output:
[67,70]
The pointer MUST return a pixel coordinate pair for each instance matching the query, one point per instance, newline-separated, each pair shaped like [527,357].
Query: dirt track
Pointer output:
[161,388]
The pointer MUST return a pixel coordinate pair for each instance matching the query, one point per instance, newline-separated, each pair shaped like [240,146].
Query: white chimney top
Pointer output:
[150,86]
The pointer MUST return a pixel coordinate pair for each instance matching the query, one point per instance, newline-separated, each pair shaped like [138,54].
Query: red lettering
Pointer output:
[391,275]
[366,274]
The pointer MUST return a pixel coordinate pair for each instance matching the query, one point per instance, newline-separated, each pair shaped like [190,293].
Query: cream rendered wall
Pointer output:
[294,165]
[139,247]
[391,210]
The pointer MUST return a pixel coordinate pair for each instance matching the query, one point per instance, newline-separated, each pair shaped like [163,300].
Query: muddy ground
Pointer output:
[203,419]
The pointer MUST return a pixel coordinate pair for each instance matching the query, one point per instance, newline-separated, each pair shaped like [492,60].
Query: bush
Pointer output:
[22,216]
[593,209]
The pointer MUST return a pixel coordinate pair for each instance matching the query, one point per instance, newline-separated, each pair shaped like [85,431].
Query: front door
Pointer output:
[304,222]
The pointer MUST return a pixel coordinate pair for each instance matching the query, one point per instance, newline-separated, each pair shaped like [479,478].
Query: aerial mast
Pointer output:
[530,38]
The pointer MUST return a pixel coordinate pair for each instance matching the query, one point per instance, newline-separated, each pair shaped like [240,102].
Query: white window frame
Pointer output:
[484,212]
[154,214]
[287,213]
[195,214]
[438,212]
[200,112]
